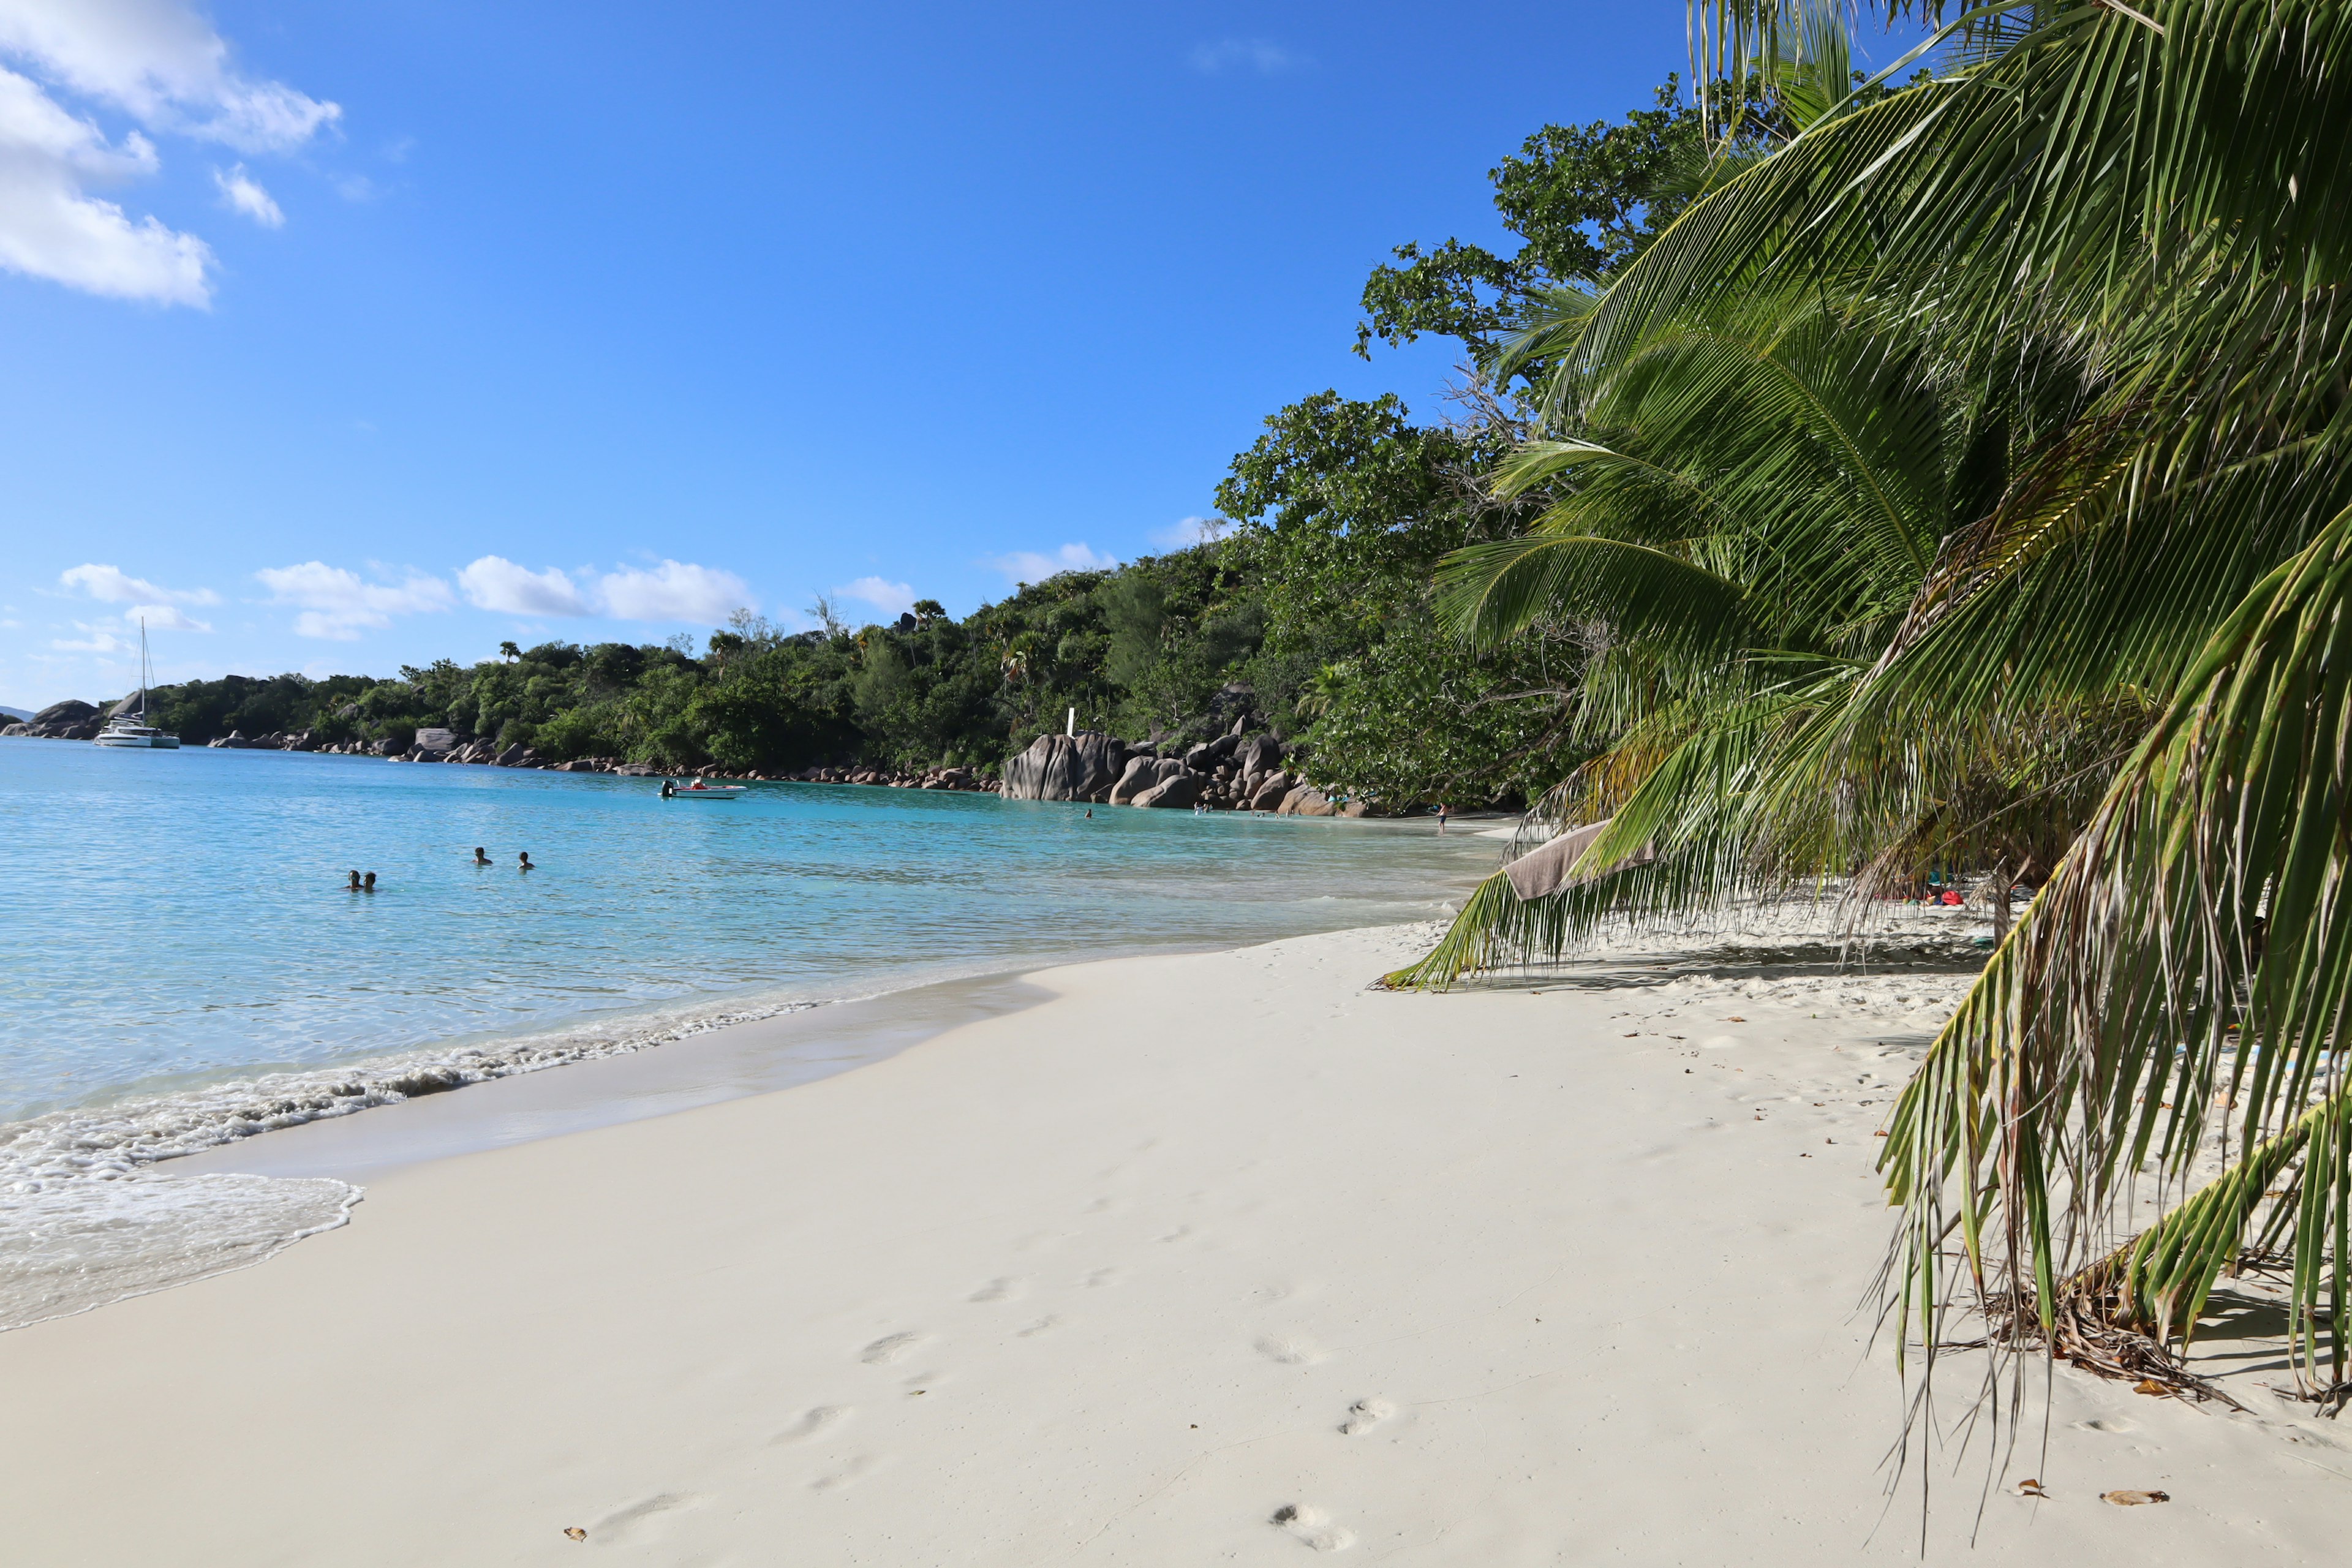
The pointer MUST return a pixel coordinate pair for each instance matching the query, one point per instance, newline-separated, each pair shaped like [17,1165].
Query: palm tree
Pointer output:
[510,652]
[2114,239]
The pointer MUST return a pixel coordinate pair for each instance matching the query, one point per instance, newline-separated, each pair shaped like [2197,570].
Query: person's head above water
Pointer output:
[370,884]
[525,858]
[355,878]
[480,858]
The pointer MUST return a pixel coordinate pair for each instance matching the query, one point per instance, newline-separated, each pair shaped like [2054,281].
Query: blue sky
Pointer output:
[415,325]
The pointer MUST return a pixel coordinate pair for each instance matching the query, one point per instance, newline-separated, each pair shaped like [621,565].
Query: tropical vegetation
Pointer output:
[1959,480]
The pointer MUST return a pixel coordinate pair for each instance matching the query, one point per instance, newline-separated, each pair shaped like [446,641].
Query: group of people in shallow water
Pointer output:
[366,884]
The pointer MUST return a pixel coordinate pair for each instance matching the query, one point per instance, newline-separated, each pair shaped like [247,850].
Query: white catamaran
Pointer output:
[132,730]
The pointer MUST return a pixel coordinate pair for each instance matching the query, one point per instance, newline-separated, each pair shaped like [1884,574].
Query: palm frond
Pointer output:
[2186,973]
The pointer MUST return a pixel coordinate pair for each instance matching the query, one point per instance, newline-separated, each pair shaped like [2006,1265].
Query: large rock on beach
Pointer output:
[1143,773]
[1180,790]
[1305,800]
[1257,754]
[1268,794]
[1082,766]
[66,713]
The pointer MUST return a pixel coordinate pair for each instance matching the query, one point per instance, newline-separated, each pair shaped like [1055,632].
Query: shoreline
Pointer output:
[1216,1255]
[279,1001]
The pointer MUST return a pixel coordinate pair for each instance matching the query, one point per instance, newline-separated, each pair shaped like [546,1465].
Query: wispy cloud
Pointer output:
[1186,532]
[338,603]
[891,598]
[152,603]
[244,194]
[160,62]
[1263,56]
[113,585]
[1032,566]
[101,639]
[164,618]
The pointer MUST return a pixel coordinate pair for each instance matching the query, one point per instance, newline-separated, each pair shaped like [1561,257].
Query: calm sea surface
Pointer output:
[176,919]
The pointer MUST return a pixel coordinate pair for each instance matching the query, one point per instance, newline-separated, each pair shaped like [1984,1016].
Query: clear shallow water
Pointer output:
[183,966]
[179,916]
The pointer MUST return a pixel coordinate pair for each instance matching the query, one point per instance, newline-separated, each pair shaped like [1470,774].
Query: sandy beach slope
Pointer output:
[1207,1259]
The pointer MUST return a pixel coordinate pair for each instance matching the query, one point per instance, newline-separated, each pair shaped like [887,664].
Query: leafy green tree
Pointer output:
[1583,201]
[1345,507]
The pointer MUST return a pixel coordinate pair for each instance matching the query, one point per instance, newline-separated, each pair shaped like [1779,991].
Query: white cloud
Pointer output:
[113,585]
[164,618]
[101,640]
[891,598]
[1030,566]
[336,603]
[160,63]
[1260,55]
[244,194]
[674,590]
[495,582]
[1186,532]
[51,228]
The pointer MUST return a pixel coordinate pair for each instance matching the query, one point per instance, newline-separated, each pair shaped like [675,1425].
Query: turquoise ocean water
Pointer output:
[177,918]
[184,967]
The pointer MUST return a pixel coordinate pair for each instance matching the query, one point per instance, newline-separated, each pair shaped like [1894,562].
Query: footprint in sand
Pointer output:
[1039,1327]
[849,1475]
[889,1348]
[1314,1527]
[814,1422]
[1100,1277]
[1005,1289]
[1289,1352]
[1366,1414]
[629,1523]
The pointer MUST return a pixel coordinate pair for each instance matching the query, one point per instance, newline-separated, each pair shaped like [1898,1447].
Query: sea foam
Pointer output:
[86,1218]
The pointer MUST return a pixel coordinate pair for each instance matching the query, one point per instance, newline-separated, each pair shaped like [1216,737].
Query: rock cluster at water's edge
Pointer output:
[1239,771]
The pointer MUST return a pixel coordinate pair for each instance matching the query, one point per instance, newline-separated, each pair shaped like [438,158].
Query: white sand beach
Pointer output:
[1205,1258]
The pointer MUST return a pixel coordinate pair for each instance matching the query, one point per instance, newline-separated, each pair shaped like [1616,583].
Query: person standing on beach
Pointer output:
[1444,811]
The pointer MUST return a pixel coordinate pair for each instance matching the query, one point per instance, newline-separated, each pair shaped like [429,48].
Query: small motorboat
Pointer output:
[698,790]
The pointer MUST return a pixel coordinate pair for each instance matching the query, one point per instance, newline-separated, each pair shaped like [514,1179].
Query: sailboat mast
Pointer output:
[142,670]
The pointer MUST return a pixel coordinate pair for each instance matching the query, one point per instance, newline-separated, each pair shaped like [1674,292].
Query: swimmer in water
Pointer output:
[369,886]
[526,861]
[669,788]
[355,881]
[480,858]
